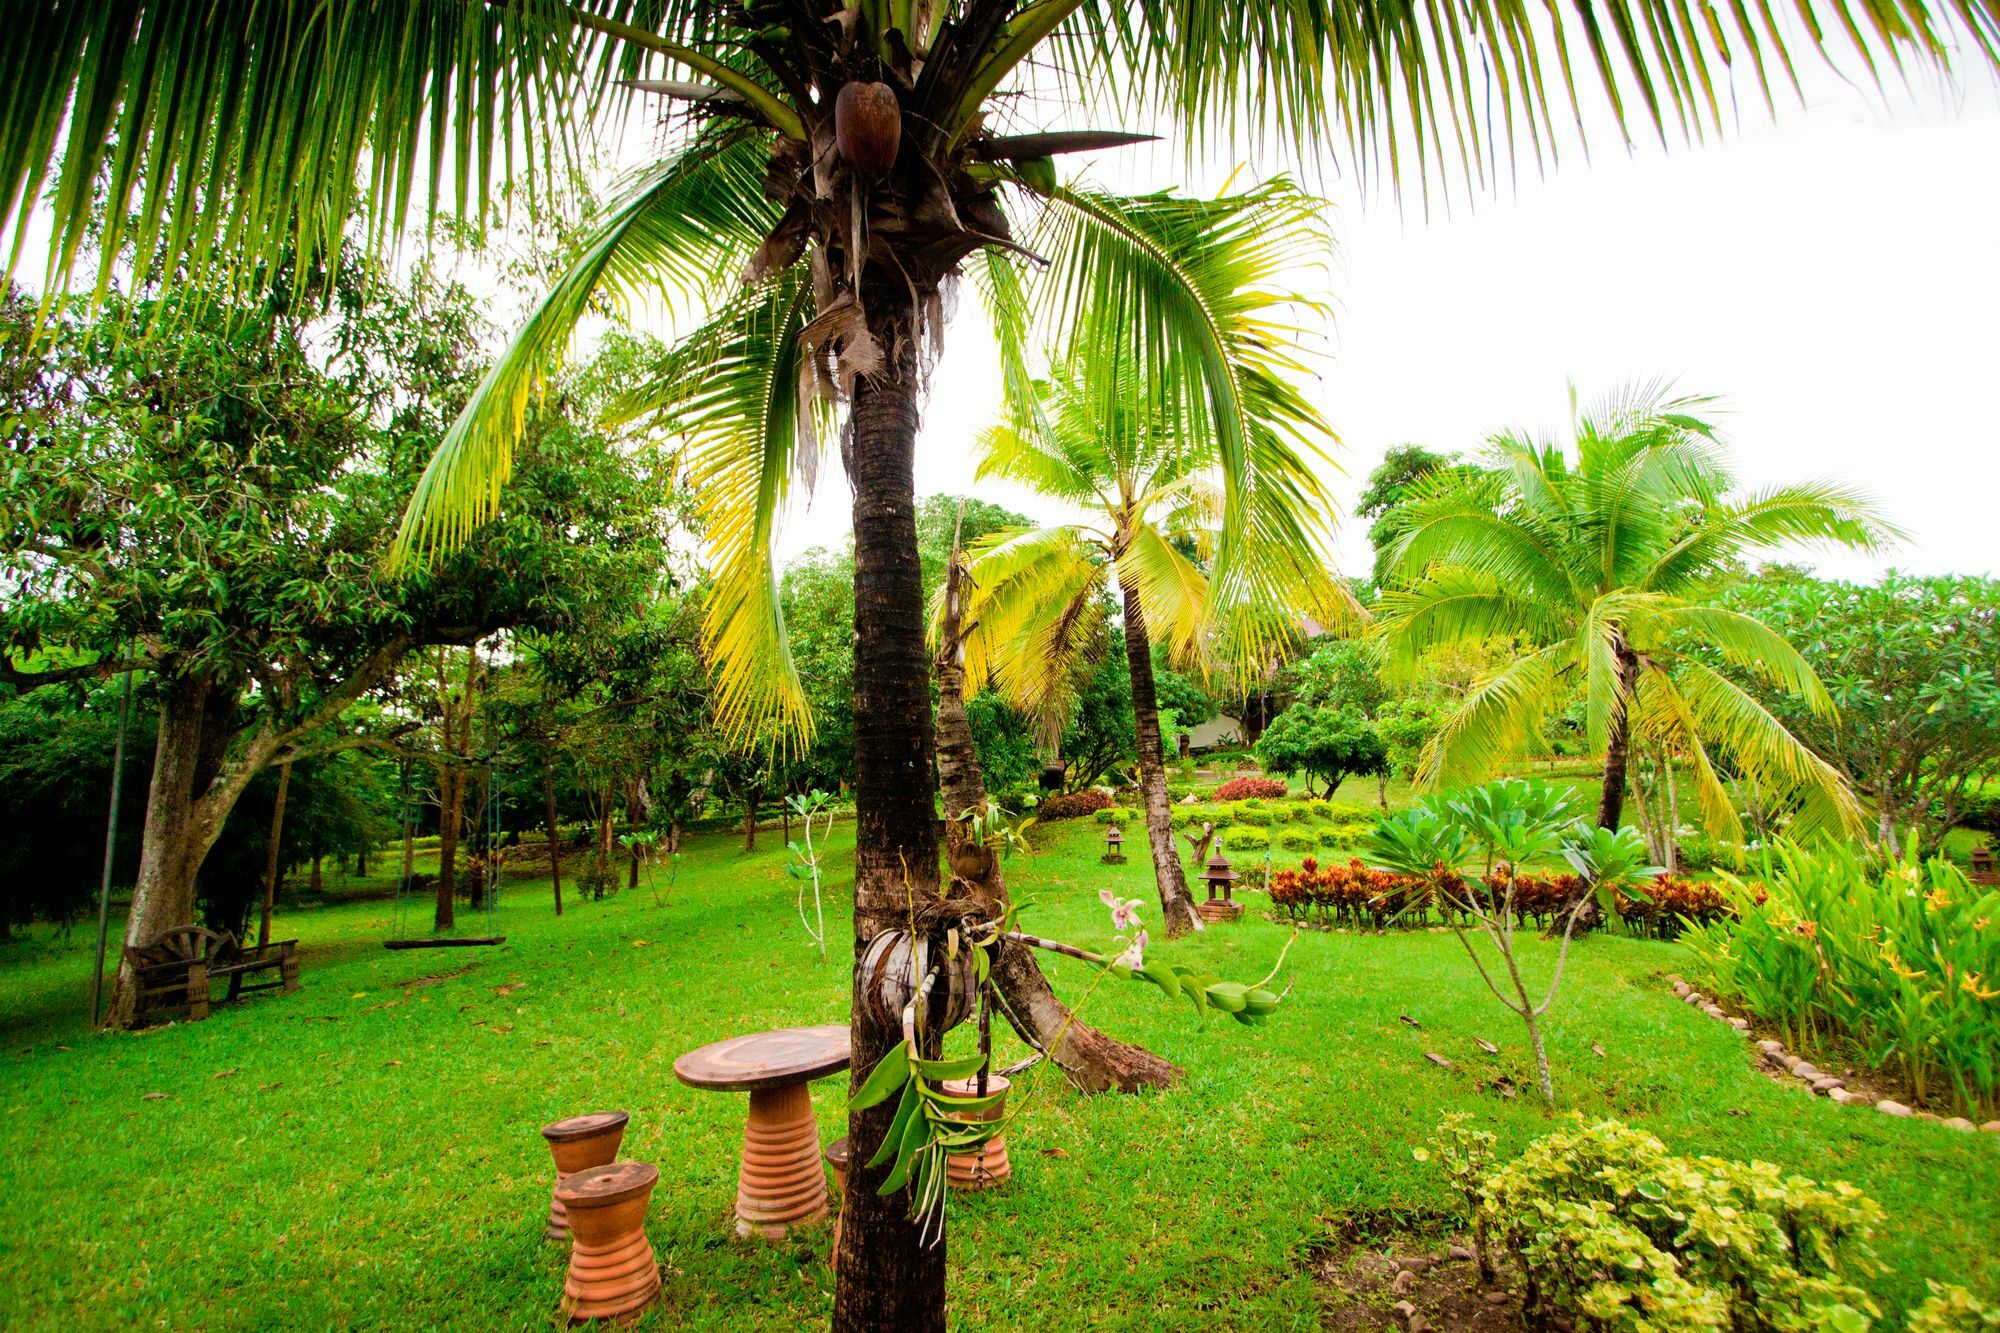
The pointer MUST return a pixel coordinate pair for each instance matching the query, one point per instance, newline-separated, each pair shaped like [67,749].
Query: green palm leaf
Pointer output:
[685,224]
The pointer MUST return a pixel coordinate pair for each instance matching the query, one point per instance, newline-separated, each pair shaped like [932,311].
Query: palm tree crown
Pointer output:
[1595,558]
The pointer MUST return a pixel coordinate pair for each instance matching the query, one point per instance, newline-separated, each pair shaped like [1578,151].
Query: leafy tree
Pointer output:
[856,166]
[213,509]
[1323,742]
[1159,488]
[1388,487]
[1913,665]
[1596,560]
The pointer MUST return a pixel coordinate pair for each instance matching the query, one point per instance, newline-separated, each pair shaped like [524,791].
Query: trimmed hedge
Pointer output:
[1246,840]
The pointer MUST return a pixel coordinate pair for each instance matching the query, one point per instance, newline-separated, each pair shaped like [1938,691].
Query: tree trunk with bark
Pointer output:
[607,812]
[1176,907]
[271,853]
[1618,744]
[1092,1061]
[886,1278]
[555,839]
[191,793]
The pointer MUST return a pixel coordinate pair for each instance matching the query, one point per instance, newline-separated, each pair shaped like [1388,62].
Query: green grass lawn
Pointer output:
[365,1153]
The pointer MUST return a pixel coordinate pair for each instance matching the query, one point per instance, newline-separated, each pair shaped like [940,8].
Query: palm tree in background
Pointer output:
[1155,483]
[1596,559]
[843,164]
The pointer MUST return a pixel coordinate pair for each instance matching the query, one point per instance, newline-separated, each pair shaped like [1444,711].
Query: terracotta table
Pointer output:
[782,1184]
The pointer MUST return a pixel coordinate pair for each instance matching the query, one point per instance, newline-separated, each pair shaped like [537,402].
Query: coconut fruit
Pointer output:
[1037,173]
[868,128]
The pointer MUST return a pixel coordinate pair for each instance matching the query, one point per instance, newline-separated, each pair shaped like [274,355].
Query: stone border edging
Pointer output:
[1817,1081]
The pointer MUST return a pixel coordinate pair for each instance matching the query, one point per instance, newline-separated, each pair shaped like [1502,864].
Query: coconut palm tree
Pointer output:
[848,161]
[1595,560]
[1154,482]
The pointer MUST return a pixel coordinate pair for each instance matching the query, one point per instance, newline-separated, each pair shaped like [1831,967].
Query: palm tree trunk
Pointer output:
[885,1277]
[1093,1061]
[1176,908]
[1618,744]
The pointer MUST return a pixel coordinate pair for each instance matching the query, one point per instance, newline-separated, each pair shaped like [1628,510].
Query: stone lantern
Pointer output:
[1221,906]
[1114,846]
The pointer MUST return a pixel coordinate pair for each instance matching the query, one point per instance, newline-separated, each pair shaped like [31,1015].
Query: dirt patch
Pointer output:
[1392,1269]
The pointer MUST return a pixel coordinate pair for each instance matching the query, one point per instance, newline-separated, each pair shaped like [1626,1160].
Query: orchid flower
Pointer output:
[1124,911]
[1134,956]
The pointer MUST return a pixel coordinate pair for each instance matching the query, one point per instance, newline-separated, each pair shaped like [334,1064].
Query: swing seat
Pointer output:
[455,942]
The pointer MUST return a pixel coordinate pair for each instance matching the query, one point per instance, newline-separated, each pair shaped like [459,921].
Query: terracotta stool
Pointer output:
[612,1272]
[836,1157]
[579,1143]
[988,1167]
[781,1184]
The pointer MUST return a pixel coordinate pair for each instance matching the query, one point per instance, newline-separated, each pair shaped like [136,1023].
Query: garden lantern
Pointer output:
[1114,846]
[1219,878]
[1982,864]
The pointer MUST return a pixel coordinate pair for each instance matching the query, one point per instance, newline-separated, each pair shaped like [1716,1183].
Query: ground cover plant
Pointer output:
[364,1153]
[1895,958]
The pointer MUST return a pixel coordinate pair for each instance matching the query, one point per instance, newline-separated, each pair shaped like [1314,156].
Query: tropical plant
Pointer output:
[804,865]
[848,162]
[1898,956]
[1596,559]
[1162,491]
[1507,824]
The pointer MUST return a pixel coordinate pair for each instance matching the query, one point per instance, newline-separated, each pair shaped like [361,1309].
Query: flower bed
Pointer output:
[1902,959]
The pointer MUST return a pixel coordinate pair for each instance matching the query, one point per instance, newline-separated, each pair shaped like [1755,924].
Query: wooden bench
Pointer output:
[176,967]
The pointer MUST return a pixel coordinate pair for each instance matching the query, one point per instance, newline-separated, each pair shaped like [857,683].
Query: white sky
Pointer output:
[1833,276]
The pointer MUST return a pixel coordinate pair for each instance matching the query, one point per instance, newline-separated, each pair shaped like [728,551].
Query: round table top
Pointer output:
[766,1059]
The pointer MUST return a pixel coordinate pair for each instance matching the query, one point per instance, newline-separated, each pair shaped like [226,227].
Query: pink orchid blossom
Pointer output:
[1124,911]
[1134,956]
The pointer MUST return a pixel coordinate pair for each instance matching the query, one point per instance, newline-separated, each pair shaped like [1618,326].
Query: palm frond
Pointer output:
[1456,606]
[1502,711]
[1762,749]
[686,224]
[1751,644]
[261,127]
[732,392]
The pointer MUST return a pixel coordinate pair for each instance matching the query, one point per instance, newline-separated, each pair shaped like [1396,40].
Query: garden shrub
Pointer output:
[1300,813]
[1249,788]
[1901,957]
[1612,1231]
[1254,818]
[1349,812]
[1321,810]
[1256,803]
[1328,838]
[1296,842]
[1246,840]
[1951,1309]
[1118,814]
[1073,805]
[1671,905]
